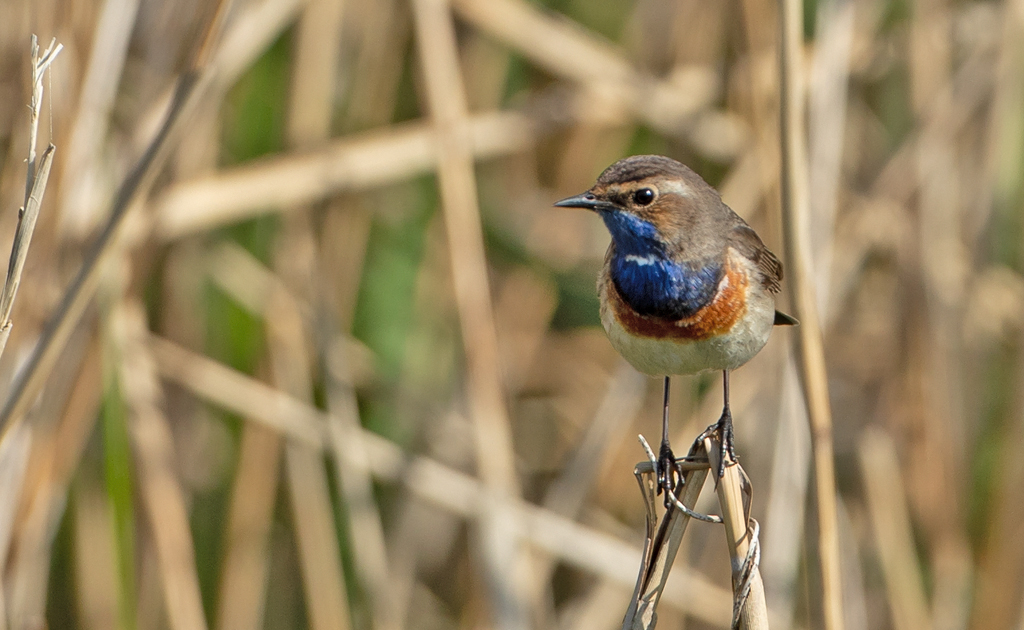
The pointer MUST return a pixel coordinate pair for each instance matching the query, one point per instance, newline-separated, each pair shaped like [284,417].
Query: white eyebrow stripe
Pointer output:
[643,261]
[674,186]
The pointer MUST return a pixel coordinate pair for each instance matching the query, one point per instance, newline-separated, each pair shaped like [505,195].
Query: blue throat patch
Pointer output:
[646,276]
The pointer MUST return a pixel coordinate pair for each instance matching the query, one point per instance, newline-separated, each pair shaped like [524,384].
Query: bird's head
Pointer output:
[650,202]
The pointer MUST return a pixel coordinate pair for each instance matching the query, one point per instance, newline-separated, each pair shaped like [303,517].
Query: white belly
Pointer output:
[723,352]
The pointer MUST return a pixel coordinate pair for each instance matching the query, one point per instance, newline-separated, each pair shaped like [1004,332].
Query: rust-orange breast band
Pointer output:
[717,318]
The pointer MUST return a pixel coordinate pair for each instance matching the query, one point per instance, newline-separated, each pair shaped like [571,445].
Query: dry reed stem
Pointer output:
[244,572]
[15,451]
[599,610]
[785,514]
[316,536]
[944,264]
[40,64]
[760,68]
[999,594]
[241,592]
[568,492]
[314,68]
[855,600]
[621,403]
[569,51]
[890,520]
[27,216]
[261,292]
[809,345]
[431,481]
[374,565]
[949,111]
[827,97]
[504,563]
[98,603]
[750,610]
[662,541]
[82,288]
[83,192]
[15,448]
[248,35]
[365,523]
[36,177]
[378,66]
[310,105]
[315,528]
[28,574]
[161,493]
[357,162]
[523,308]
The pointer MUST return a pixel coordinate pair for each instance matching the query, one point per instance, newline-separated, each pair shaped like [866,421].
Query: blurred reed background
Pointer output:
[344,367]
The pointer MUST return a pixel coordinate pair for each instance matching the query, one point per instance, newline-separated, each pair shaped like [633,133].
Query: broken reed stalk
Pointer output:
[735,495]
[661,542]
[750,611]
[35,185]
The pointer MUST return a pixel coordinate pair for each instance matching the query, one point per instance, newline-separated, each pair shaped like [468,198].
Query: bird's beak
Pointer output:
[585,200]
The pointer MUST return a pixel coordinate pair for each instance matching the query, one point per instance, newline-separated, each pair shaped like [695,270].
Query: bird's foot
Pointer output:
[723,430]
[668,472]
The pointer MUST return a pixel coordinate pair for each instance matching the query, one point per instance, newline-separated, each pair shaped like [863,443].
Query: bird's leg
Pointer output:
[667,470]
[724,428]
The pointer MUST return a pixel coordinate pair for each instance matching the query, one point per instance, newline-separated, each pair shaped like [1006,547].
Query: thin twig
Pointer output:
[27,217]
[40,64]
[36,177]
[795,214]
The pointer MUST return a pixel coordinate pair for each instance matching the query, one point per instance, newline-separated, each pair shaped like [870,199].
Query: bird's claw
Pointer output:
[668,472]
[723,430]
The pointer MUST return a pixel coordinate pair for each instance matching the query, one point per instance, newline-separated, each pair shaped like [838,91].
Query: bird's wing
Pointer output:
[746,241]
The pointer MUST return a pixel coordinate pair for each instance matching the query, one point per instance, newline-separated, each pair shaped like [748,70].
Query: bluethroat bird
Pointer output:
[687,286]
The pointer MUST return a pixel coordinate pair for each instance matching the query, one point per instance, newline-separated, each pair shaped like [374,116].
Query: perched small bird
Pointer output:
[687,286]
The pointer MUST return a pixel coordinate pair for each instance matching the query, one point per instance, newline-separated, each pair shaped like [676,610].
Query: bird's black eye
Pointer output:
[643,196]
